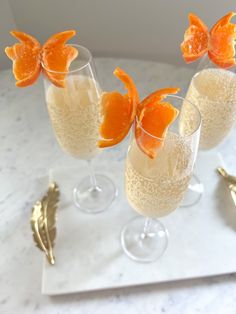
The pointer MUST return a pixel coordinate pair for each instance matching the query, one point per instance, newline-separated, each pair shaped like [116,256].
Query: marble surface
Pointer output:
[88,250]
[28,149]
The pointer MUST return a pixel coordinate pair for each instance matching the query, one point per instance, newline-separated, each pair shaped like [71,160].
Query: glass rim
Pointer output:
[182,136]
[78,68]
[205,96]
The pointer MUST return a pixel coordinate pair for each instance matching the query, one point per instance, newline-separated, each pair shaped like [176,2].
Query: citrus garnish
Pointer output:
[57,56]
[153,116]
[157,96]
[25,57]
[222,42]
[153,120]
[195,43]
[118,111]
[218,43]
[28,56]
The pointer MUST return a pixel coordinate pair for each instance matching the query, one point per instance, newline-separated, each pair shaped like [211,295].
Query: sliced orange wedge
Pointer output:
[219,43]
[28,55]
[57,56]
[222,42]
[118,112]
[195,43]
[25,58]
[157,96]
[153,120]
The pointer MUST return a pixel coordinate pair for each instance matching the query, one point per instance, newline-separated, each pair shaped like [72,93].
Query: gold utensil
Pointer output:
[231,179]
[43,221]
[233,192]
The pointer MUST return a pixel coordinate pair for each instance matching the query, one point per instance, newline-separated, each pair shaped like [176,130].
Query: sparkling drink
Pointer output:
[155,187]
[213,91]
[74,113]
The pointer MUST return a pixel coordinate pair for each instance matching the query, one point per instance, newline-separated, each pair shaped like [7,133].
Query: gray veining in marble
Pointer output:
[27,150]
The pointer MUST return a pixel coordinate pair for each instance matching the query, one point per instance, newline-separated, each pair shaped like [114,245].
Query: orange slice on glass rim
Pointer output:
[153,120]
[118,111]
[222,42]
[195,43]
[57,56]
[219,43]
[27,56]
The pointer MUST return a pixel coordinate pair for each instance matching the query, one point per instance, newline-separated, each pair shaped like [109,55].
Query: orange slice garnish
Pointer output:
[195,43]
[219,43]
[118,111]
[153,121]
[57,56]
[25,58]
[157,96]
[28,55]
[222,42]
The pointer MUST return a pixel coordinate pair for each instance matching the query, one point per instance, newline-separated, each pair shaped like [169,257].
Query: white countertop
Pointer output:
[27,150]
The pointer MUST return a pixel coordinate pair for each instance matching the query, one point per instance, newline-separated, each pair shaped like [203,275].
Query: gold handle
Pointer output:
[226,175]
[233,192]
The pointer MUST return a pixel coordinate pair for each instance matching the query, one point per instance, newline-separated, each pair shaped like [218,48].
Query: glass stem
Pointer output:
[93,180]
[146,227]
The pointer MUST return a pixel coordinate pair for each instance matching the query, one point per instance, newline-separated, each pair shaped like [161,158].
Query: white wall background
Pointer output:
[6,23]
[146,29]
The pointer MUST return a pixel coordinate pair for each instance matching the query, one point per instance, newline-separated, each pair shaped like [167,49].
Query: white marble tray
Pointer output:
[88,252]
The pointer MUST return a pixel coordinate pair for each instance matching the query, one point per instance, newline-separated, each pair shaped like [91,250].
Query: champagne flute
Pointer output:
[213,91]
[156,187]
[75,117]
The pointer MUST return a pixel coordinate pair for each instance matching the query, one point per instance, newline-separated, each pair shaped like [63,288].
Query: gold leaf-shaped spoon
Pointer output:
[233,192]
[231,179]
[43,221]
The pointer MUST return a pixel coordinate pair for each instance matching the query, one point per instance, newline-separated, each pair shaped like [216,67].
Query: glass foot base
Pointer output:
[194,192]
[94,200]
[144,247]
